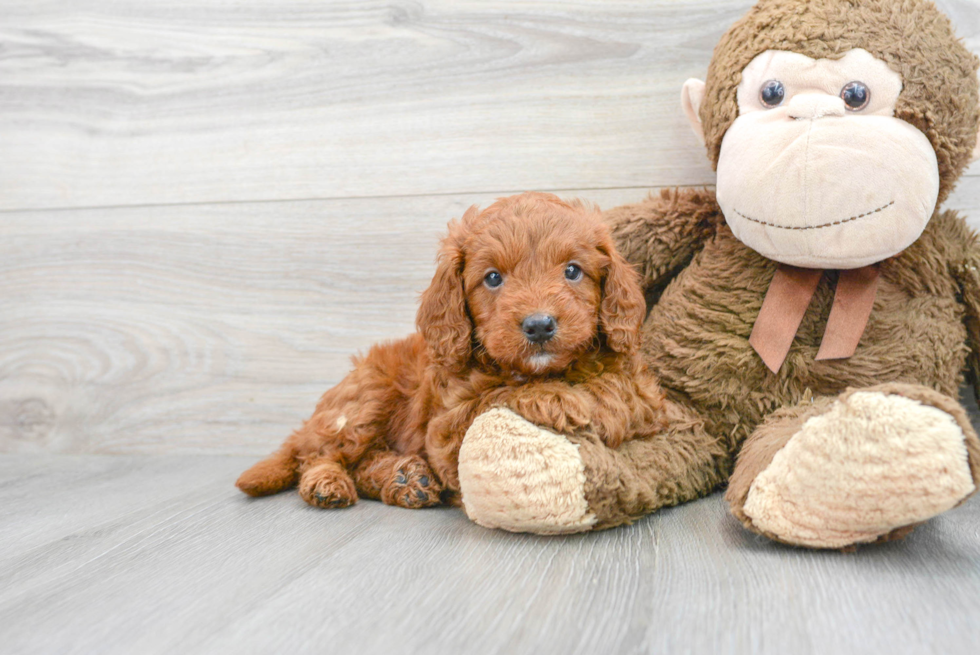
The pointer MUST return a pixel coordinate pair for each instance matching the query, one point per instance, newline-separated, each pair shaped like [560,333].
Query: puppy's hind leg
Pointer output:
[273,474]
[396,479]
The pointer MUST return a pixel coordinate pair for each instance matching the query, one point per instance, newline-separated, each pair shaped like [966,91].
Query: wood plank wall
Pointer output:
[207,206]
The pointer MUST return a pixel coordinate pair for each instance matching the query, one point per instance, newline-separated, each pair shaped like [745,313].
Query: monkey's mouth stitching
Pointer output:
[816,227]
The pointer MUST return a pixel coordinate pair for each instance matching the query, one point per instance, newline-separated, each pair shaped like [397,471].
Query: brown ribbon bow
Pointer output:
[786,302]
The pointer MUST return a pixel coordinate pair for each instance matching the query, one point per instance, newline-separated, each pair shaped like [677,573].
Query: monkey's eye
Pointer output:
[772,93]
[573,272]
[493,279]
[855,95]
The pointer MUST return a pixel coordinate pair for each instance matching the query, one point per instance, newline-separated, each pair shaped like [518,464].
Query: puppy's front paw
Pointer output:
[612,428]
[412,485]
[562,410]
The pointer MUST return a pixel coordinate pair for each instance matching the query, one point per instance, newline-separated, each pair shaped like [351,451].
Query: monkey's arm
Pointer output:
[969,280]
[966,269]
[661,234]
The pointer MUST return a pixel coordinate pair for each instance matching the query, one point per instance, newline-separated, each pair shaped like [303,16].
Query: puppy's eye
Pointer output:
[772,93]
[856,95]
[573,272]
[493,279]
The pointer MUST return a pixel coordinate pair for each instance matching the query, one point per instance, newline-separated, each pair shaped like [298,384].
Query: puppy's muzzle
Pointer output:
[539,328]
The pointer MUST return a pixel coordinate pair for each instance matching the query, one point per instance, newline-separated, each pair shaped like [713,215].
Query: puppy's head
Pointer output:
[532,283]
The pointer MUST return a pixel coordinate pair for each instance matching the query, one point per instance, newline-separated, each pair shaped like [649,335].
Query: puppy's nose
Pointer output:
[539,328]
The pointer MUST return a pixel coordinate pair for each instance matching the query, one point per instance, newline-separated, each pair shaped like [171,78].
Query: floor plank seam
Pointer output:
[410,196]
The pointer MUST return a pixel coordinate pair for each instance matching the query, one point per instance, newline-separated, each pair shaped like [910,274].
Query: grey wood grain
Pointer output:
[168,327]
[123,102]
[210,328]
[202,328]
[214,327]
[161,554]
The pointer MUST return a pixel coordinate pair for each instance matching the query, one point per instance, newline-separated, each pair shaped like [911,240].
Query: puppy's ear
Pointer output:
[442,319]
[623,306]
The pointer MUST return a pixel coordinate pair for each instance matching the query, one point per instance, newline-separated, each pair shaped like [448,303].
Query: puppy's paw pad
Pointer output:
[412,486]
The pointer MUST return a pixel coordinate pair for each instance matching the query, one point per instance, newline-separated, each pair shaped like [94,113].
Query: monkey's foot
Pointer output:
[867,466]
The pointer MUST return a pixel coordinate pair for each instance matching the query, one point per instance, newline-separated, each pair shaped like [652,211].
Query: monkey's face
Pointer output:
[816,171]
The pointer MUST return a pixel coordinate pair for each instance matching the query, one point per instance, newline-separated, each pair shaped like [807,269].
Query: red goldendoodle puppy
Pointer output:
[530,308]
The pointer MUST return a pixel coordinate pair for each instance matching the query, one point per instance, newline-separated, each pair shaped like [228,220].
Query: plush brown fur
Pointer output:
[391,430]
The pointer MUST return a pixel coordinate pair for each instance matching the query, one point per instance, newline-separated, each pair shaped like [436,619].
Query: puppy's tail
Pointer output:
[273,474]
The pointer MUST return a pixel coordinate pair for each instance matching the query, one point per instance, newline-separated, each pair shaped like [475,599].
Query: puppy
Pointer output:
[530,308]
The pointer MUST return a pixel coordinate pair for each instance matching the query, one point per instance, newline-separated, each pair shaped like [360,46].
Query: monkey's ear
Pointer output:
[442,319]
[691,96]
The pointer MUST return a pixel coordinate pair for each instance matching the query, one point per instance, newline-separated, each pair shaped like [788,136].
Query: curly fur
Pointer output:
[391,430]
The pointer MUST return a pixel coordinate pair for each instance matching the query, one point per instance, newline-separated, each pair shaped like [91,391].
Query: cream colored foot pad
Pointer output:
[872,463]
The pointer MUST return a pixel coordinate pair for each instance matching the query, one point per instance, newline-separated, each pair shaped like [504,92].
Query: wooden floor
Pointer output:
[207,207]
[160,554]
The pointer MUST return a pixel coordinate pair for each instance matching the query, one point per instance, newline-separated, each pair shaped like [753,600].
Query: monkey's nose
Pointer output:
[539,328]
[809,106]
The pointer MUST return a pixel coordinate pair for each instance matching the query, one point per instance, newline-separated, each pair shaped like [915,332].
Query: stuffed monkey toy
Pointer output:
[812,320]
